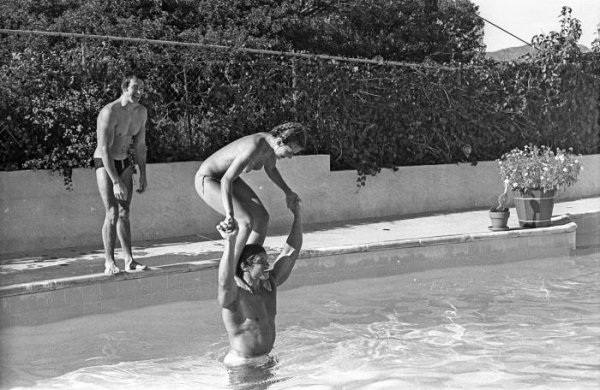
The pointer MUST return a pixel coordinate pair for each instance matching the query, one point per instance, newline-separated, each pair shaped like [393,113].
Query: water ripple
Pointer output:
[530,325]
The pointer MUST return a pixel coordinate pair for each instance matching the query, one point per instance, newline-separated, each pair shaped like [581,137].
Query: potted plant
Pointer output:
[534,175]
[499,214]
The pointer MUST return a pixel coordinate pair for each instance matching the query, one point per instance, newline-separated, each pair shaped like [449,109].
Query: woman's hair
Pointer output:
[127,79]
[247,257]
[291,133]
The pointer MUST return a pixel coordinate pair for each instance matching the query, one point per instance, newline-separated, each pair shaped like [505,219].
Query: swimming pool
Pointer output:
[526,325]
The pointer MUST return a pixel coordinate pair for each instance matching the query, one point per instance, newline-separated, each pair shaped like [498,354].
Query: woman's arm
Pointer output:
[232,173]
[271,169]
[238,164]
[275,176]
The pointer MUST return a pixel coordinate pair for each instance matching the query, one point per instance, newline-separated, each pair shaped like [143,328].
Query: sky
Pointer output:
[526,18]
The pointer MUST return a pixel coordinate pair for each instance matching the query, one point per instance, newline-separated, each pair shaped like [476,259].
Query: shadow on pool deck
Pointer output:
[71,262]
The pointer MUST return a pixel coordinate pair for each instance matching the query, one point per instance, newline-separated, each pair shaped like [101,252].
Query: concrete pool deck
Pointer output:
[69,282]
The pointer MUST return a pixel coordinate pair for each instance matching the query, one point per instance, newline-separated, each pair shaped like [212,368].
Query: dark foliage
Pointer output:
[366,116]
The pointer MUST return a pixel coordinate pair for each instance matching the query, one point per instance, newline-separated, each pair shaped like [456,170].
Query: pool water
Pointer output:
[523,325]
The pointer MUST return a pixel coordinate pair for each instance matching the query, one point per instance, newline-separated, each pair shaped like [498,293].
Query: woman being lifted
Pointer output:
[219,184]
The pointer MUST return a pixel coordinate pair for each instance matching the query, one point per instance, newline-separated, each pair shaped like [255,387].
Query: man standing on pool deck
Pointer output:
[247,292]
[117,123]
[219,184]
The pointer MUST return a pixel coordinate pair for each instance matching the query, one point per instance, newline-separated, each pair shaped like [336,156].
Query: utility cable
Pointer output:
[227,48]
[506,31]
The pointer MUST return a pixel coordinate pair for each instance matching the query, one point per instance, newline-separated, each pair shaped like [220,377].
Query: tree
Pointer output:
[410,30]
[596,43]
[407,30]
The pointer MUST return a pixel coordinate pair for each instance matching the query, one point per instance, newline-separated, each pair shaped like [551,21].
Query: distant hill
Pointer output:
[514,53]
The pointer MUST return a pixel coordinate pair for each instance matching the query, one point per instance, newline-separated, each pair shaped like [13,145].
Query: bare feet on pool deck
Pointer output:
[110,268]
[135,266]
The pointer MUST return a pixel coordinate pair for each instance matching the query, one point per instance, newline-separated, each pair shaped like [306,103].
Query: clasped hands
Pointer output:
[229,227]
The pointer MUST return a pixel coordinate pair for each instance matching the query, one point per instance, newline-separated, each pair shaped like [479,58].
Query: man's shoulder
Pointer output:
[141,108]
[266,286]
[109,112]
[110,107]
[115,106]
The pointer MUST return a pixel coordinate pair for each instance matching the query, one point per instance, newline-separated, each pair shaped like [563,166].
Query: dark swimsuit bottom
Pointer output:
[120,165]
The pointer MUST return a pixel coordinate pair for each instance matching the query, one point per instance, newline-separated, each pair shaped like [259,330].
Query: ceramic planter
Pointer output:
[534,207]
[499,220]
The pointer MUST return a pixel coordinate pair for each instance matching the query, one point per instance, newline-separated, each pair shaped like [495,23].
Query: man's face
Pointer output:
[135,90]
[260,267]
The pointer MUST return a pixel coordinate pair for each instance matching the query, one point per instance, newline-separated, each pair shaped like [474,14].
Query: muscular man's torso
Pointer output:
[251,323]
[126,124]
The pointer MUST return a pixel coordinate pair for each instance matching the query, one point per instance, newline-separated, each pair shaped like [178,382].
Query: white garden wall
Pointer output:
[38,213]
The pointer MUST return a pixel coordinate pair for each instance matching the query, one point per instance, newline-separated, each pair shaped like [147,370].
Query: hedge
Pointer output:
[366,116]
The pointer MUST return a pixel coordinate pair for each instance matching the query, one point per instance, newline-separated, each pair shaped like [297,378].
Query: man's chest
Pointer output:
[127,125]
[257,306]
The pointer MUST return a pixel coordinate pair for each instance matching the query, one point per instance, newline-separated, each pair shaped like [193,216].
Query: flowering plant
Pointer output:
[539,168]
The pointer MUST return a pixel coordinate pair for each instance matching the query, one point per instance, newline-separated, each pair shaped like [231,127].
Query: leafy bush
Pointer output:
[366,116]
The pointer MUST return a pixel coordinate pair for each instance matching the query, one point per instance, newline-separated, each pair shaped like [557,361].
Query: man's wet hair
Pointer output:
[127,79]
[291,133]
[248,257]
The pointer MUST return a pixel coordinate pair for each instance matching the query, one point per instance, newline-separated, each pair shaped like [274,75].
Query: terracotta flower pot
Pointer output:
[534,207]
[499,220]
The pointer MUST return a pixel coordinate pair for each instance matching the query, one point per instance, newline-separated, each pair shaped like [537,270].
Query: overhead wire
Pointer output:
[256,51]
[227,48]
[506,31]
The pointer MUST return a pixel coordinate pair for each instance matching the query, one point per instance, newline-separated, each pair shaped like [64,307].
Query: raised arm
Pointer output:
[140,151]
[227,289]
[105,130]
[287,258]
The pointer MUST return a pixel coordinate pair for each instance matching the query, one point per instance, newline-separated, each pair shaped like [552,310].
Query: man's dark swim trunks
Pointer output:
[120,165]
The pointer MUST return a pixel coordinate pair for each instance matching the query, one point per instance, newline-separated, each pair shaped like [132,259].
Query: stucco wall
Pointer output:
[39,213]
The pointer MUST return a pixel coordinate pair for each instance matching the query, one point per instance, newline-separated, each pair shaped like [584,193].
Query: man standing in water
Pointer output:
[247,292]
[118,123]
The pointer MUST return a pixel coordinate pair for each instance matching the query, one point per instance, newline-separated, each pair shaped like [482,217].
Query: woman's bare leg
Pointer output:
[249,212]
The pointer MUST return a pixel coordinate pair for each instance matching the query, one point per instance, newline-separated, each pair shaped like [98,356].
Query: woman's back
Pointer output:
[254,147]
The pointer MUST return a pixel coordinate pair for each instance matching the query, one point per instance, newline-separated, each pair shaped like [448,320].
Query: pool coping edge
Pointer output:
[561,224]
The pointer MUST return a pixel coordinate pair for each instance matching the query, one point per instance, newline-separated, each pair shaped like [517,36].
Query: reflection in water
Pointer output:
[259,377]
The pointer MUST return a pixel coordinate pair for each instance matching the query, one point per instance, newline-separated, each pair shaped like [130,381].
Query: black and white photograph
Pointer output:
[300,194]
